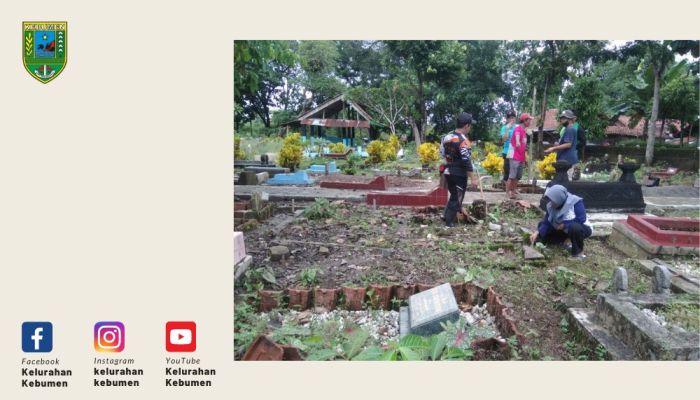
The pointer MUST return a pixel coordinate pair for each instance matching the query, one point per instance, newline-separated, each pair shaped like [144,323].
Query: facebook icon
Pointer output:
[37,337]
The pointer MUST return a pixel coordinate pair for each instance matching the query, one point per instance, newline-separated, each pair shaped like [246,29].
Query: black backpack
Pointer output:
[580,138]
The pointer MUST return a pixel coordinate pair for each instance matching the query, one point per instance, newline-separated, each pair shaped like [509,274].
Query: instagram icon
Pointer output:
[109,336]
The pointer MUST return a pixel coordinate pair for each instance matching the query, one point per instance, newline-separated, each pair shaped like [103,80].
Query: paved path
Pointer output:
[279,193]
[664,197]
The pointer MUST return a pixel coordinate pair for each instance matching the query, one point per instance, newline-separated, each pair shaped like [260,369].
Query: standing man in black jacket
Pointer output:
[456,149]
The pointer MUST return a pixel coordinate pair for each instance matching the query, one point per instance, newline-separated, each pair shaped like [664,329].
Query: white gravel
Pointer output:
[689,268]
[659,319]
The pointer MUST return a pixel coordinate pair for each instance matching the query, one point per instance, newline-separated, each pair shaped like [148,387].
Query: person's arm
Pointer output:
[544,227]
[564,143]
[517,136]
[442,148]
[504,133]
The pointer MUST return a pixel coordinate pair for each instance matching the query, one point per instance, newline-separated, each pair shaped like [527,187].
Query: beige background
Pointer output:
[115,190]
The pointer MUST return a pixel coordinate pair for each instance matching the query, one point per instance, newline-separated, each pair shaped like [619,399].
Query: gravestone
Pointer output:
[247,178]
[529,253]
[426,310]
[620,281]
[661,280]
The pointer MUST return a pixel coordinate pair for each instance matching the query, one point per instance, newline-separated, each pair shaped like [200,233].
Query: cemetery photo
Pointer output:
[471,200]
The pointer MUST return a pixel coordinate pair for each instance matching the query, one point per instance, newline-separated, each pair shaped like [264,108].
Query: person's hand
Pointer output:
[548,150]
[560,227]
[533,237]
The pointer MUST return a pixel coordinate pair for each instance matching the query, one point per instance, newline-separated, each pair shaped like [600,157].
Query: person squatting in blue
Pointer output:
[564,221]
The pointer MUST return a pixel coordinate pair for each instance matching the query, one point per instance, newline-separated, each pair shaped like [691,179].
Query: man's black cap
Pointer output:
[465,118]
[510,114]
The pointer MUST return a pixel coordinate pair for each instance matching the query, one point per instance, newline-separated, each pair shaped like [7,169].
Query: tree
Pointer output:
[679,96]
[318,60]
[658,55]
[259,67]
[586,96]
[421,63]
[385,102]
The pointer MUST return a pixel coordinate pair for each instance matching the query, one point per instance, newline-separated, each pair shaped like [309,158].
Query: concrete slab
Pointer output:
[240,268]
[272,171]
[238,247]
[297,178]
[585,322]
[648,340]
[321,168]
[378,183]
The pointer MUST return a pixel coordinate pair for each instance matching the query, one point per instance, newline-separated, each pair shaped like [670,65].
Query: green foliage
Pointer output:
[320,209]
[247,326]
[352,164]
[309,277]
[477,274]
[257,278]
[683,314]
[586,96]
[563,279]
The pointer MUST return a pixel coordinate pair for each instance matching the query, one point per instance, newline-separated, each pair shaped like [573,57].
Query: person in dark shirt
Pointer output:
[456,149]
[566,149]
[564,221]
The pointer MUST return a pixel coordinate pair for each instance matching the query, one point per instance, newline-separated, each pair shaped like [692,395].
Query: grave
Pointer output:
[643,236]
[378,183]
[427,309]
[624,324]
[624,196]
[297,178]
[252,178]
[680,281]
[321,168]
[339,156]
[256,209]
[272,171]
[435,197]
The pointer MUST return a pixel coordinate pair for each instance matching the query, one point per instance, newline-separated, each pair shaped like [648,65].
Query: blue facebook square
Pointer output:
[37,337]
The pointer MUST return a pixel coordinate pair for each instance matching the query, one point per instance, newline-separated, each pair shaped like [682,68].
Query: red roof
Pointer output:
[620,127]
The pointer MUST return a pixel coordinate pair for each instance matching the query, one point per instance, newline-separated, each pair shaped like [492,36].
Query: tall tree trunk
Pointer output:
[651,131]
[681,133]
[544,116]
[531,166]
[423,110]
[416,132]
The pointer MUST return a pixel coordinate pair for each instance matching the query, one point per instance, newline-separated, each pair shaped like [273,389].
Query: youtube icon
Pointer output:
[180,336]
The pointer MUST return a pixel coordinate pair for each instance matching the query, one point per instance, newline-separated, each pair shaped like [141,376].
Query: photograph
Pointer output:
[466,200]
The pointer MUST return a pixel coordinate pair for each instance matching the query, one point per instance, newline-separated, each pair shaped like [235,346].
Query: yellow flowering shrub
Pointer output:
[394,143]
[292,151]
[238,153]
[428,152]
[491,148]
[376,150]
[493,164]
[337,147]
[546,166]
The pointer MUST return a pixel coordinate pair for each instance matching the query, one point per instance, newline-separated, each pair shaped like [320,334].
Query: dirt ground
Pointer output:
[400,245]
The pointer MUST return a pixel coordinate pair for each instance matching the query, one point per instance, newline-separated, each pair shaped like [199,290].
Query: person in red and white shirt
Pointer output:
[516,155]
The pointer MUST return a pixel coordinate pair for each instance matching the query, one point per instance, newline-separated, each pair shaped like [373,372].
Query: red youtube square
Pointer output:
[180,336]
